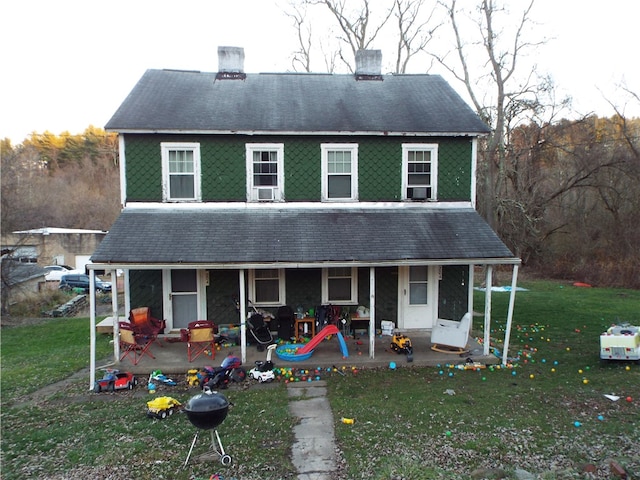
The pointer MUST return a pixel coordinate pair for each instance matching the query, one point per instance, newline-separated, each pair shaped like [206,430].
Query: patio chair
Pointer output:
[201,338]
[143,323]
[133,345]
[450,333]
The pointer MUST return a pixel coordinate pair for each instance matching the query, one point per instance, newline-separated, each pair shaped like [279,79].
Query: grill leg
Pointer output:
[191,450]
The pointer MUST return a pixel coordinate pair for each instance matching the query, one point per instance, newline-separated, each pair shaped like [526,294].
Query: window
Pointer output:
[265,172]
[418,285]
[419,171]
[340,285]
[339,171]
[180,172]
[267,287]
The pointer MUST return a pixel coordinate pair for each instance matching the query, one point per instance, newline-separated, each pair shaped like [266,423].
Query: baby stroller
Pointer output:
[259,330]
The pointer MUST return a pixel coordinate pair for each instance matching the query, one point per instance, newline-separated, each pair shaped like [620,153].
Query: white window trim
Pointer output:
[354,288]
[325,149]
[252,193]
[282,300]
[420,147]
[165,147]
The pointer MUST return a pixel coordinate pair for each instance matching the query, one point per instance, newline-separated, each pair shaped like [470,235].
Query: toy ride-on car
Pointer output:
[115,380]
[620,342]
[263,371]
[162,407]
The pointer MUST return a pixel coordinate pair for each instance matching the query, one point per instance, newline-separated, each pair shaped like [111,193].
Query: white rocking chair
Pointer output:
[451,335]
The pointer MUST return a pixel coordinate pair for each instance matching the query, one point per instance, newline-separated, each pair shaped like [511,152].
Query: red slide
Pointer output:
[313,343]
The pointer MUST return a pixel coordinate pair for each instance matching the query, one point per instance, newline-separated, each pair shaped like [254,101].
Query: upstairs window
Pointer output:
[339,172]
[180,172]
[265,172]
[419,171]
[267,287]
[340,285]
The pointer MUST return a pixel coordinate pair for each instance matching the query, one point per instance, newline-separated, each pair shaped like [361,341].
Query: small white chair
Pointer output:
[451,333]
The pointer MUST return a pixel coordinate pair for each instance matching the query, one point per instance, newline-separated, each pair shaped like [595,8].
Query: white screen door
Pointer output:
[417,297]
[184,297]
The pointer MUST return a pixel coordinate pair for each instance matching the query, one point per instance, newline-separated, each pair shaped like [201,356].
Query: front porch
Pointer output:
[171,356]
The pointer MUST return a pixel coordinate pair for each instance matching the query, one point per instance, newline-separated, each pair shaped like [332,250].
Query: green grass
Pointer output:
[35,355]
[406,424]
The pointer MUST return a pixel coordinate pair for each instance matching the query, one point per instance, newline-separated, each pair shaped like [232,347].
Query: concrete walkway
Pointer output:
[313,451]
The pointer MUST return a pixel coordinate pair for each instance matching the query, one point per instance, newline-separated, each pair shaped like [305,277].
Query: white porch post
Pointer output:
[512,299]
[115,316]
[372,312]
[487,308]
[243,316]
[127,292]
[92,326]
[470,294]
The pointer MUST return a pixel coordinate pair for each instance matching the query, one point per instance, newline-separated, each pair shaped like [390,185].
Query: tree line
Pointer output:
[68,181]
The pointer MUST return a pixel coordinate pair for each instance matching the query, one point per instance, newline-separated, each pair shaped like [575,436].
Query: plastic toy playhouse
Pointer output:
[620,342]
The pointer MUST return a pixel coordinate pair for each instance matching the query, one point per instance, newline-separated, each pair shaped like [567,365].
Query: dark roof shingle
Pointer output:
[182,101]
[246,235]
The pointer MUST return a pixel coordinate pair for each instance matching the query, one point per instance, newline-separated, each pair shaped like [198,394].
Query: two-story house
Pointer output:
[301,190]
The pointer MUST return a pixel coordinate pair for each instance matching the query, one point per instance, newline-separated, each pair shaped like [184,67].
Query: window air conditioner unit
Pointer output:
[417,193]
[265,194]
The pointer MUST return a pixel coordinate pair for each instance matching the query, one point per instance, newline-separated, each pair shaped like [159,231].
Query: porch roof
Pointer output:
[247,236]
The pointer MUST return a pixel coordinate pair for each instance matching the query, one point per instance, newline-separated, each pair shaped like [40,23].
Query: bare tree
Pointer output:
[359,25]
[414,31]
[512,95]
[301,57]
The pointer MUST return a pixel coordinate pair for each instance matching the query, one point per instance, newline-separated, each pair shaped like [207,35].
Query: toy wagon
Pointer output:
[620,342]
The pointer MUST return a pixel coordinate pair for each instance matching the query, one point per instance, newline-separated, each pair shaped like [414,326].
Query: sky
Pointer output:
[68,64]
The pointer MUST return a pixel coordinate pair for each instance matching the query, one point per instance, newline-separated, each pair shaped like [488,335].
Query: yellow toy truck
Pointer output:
[162,407]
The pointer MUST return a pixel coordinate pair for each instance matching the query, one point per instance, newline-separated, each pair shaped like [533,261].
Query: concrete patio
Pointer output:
[171,355]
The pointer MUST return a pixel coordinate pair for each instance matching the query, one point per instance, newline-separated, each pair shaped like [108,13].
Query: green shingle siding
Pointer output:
[223,166]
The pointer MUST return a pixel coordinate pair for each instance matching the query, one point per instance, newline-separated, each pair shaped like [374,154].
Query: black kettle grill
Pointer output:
[207,411]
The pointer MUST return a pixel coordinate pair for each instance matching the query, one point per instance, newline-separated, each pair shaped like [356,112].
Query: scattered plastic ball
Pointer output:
[568,349]
[600,417]
[629,399]
[448,433]
[577,424]
[585,381]
[553,370]
[580,371]
[627,368]
[532,376]
[392,365]
[513,373]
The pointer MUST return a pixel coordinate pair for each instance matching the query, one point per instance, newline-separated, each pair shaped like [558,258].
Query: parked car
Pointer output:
[81,281]
[55,272]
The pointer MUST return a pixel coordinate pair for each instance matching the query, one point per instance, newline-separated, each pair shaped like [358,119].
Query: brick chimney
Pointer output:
[231,63]
[369,65]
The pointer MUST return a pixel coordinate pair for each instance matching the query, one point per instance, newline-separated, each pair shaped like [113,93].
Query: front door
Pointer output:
[417,297]
[184,297]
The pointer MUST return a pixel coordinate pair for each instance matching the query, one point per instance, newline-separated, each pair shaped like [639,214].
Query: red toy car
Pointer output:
[114,380]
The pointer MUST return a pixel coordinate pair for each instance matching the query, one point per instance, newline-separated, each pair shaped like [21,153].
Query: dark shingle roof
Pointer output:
[238,235]
[182,101]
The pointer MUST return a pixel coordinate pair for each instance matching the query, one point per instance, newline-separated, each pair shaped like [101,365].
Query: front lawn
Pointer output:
[548,414]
